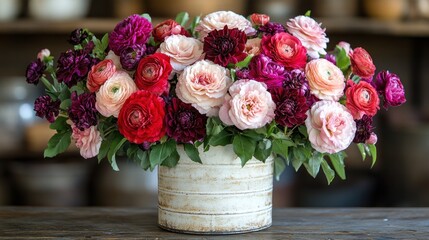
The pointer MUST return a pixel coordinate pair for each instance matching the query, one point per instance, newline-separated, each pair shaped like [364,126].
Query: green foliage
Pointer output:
[279,167]
[161,152]
[58,144]
[192,152]
[368,150]
[182,18]
[100,46]
[343,60]
[244,147]
[337,160]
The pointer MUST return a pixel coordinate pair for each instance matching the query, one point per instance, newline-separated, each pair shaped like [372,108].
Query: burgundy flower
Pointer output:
[242,73]
[134,30]
[131,56]
[45,107]
[272,28]
[390,87]
[184,123]
[77,36]
[364,129]
[74,65]
[331,58]
[296,79]
[82,111]
[225,46]
[35,71]
[151,49]
[263,69]
[291,106]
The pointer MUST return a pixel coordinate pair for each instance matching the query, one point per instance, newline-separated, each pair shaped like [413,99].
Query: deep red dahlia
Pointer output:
[291,106]
[184,123]
[364,129]
[225,46]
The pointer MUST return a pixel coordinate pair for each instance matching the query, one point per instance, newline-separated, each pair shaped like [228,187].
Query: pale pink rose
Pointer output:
[345,45]
[88,141]
[312,36]
[326,80]
[204,86]
[330,127]
[183,51]
[253,46]
[372,139]
[249,105]
[43,53]
[115,58]
[218,20]
[113,93]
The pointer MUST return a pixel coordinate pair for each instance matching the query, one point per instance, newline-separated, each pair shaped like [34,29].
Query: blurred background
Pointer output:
[394,32]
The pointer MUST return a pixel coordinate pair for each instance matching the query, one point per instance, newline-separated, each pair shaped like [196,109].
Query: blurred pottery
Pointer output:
[9,9]
[386,9]
[335,8]
[58,9]
[278,10]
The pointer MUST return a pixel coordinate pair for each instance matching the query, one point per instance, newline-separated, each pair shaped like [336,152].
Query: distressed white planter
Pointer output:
[216,197]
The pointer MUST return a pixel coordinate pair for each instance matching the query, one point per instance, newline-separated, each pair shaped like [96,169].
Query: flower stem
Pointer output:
[48,85]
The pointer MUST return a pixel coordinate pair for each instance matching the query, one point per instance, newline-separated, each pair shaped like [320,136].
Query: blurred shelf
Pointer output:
[408,28]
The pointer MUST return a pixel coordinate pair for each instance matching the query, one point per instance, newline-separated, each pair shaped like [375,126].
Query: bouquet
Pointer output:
[268,89]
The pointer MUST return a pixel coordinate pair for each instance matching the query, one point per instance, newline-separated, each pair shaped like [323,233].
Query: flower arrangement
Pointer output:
[266,88]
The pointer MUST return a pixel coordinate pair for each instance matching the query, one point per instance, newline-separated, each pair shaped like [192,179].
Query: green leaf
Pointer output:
[313,165]
[244,147]
[329,173]
[245,62]
[172,159]
[362,151]
[263,150]
[223,138]
[104,148]
[147,16]
[373,151]
[115,144]
[299,156]
[160,152]
[303,130]
[343,60]
[192,152]
[253,135]
[214,126]
[65,104]
[337,160]
[308,13]
[279,167]
[60,124]
[281,147]
[57,144]
[194,24]
[182,18]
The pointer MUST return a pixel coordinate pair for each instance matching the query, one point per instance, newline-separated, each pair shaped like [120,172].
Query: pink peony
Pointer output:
[249,105]
[330,127]
[312,36]
[204,86]
[218,20]
[88,141]
[326,80]
[113,93]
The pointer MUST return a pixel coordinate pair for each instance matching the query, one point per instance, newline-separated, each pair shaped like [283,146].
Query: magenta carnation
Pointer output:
[291,106]
[225,46]
[263,69]
[82,111]
[134,30]
[390,87]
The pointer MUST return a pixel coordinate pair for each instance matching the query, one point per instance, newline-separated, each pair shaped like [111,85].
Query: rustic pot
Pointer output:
[386,9]
[216,197]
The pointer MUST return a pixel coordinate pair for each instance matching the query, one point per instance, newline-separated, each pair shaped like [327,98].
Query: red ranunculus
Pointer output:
[362,64]
[361,99]
[259,19]
[167,28]
[152,73]
[99,74]
[141,118]
[285,49]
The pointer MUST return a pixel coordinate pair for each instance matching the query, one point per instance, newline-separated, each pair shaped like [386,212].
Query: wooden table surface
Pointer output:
[292,223]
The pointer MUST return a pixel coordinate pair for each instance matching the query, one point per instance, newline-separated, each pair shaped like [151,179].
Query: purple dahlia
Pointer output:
[291,106]
[271,28]
[46,107]
[35,71]
[263,69]
[74,65]
[390,87]
[77,36]
[225,46]
[130,57]
[184,123]
[82,111]
[134,30]
[364,129]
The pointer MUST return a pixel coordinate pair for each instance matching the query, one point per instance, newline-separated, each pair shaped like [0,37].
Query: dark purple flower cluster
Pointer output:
[331,58]
[271,28]
[263,69]
[132,31]
[296,79]
[130,57]
[390,87]
[184,123]
[82,111]
[74,65]
[77,36]
[291,106]
[35,71]
[364,129]
[45,107]
[225,46]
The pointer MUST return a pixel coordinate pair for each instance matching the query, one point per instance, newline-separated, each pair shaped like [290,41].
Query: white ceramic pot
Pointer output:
[9,9]
[58,9]
[216,197]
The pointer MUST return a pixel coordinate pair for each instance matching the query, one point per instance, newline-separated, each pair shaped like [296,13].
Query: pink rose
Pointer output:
[361,99]
[312,36]
[330,127]
[113,93]
[183,51]
[88,141]
[249,105]
[285,49]
[99,74]
[204,86]
[218,20]
[326,80]
[362,64]
[253,46]
[259,19]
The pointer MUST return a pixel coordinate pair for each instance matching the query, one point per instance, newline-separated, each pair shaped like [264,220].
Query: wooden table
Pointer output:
[293,223]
